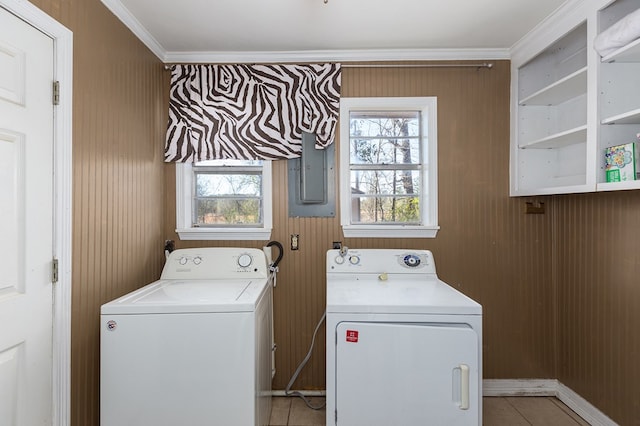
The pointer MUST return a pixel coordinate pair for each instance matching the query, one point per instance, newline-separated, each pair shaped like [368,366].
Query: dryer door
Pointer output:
[406,374]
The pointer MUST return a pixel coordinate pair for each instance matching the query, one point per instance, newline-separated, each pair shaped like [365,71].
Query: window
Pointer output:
[224,200]
[388,178]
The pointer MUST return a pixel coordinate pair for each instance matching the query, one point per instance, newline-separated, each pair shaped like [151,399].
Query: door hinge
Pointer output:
[56,93]
[54,270]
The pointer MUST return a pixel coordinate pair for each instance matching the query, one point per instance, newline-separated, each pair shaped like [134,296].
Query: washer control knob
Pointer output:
[411,260]
[354,260]
[244,260]
[183,260]
[339,260]
[197,260]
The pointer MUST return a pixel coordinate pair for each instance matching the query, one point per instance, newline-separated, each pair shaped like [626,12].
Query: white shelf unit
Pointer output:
[628,117]
[562,90]
[628,53]
[550,131]
[562,139]
[569,104]
[618,93]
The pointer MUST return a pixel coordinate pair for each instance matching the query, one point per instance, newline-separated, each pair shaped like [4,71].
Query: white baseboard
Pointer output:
[303,392]
[582,407]
[520,387]
[547,387]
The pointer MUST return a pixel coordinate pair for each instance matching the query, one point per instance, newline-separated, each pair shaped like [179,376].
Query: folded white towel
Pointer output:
[618,35]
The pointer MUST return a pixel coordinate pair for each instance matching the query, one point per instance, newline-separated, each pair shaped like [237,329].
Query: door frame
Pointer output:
[62,199]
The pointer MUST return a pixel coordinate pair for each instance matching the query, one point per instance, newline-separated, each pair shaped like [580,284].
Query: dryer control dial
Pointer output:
[412,260]
[183,260]
[244,260]
[354,260]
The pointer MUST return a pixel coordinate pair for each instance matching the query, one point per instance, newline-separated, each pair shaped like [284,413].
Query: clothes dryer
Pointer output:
[403,347]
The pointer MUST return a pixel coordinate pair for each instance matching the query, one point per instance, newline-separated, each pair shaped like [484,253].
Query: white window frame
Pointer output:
[429,195]
[184,209]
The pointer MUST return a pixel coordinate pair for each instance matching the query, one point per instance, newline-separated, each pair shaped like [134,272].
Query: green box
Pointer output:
[620,162]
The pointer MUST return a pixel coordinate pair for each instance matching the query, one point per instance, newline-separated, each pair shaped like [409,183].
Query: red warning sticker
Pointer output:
[352,336]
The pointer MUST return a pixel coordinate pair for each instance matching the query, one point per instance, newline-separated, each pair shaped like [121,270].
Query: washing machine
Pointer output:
[403,347]
[193,348]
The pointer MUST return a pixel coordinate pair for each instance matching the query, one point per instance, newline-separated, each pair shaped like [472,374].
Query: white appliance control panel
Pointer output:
[380,261]
[219,262]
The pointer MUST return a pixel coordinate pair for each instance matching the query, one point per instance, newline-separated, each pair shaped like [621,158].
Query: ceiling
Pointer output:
[263,30]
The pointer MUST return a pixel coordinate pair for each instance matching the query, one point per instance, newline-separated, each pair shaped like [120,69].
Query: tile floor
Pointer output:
[510,411]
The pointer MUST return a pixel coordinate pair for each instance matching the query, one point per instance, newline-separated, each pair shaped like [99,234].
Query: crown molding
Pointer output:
[337,55]
[569,15]
[117,8]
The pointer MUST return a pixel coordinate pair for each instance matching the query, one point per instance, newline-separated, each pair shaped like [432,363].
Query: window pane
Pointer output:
[388,182]
[384,124]
[385,151]
[225,211]
[211,185]
[405,210]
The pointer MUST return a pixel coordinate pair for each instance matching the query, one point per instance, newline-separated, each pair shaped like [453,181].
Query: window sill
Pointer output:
[225,234]
[390,231]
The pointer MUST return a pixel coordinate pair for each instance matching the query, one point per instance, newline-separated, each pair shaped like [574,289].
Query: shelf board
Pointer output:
[551,190]
[629,117]
[559,140]
[618,186]
[628,53]
[569,87]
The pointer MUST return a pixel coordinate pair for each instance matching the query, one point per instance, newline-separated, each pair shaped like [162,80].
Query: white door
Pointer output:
[406,374]
[26,223]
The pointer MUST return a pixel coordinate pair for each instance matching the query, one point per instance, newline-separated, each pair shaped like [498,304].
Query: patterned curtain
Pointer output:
[250,111]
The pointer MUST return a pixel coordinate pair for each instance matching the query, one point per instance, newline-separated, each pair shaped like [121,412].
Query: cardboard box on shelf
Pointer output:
[620,162]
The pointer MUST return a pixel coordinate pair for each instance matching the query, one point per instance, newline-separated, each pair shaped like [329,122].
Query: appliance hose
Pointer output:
[288,390]
[280,252]
[273,267]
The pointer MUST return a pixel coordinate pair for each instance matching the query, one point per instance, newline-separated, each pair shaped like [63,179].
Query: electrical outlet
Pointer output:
[533,207]
[337,245]
[295,241]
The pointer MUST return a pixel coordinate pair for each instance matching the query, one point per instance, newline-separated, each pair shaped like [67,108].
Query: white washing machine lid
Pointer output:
[401,294]
[186,296]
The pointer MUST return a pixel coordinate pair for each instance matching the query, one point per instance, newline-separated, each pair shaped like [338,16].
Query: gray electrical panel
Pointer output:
[311,180]
[313,183]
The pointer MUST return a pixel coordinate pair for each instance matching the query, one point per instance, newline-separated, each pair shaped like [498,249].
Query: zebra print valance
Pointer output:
[250,111]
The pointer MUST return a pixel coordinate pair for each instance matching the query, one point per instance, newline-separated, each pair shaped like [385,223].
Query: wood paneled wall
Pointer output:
[486,246]
[119,118]
[598,281]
